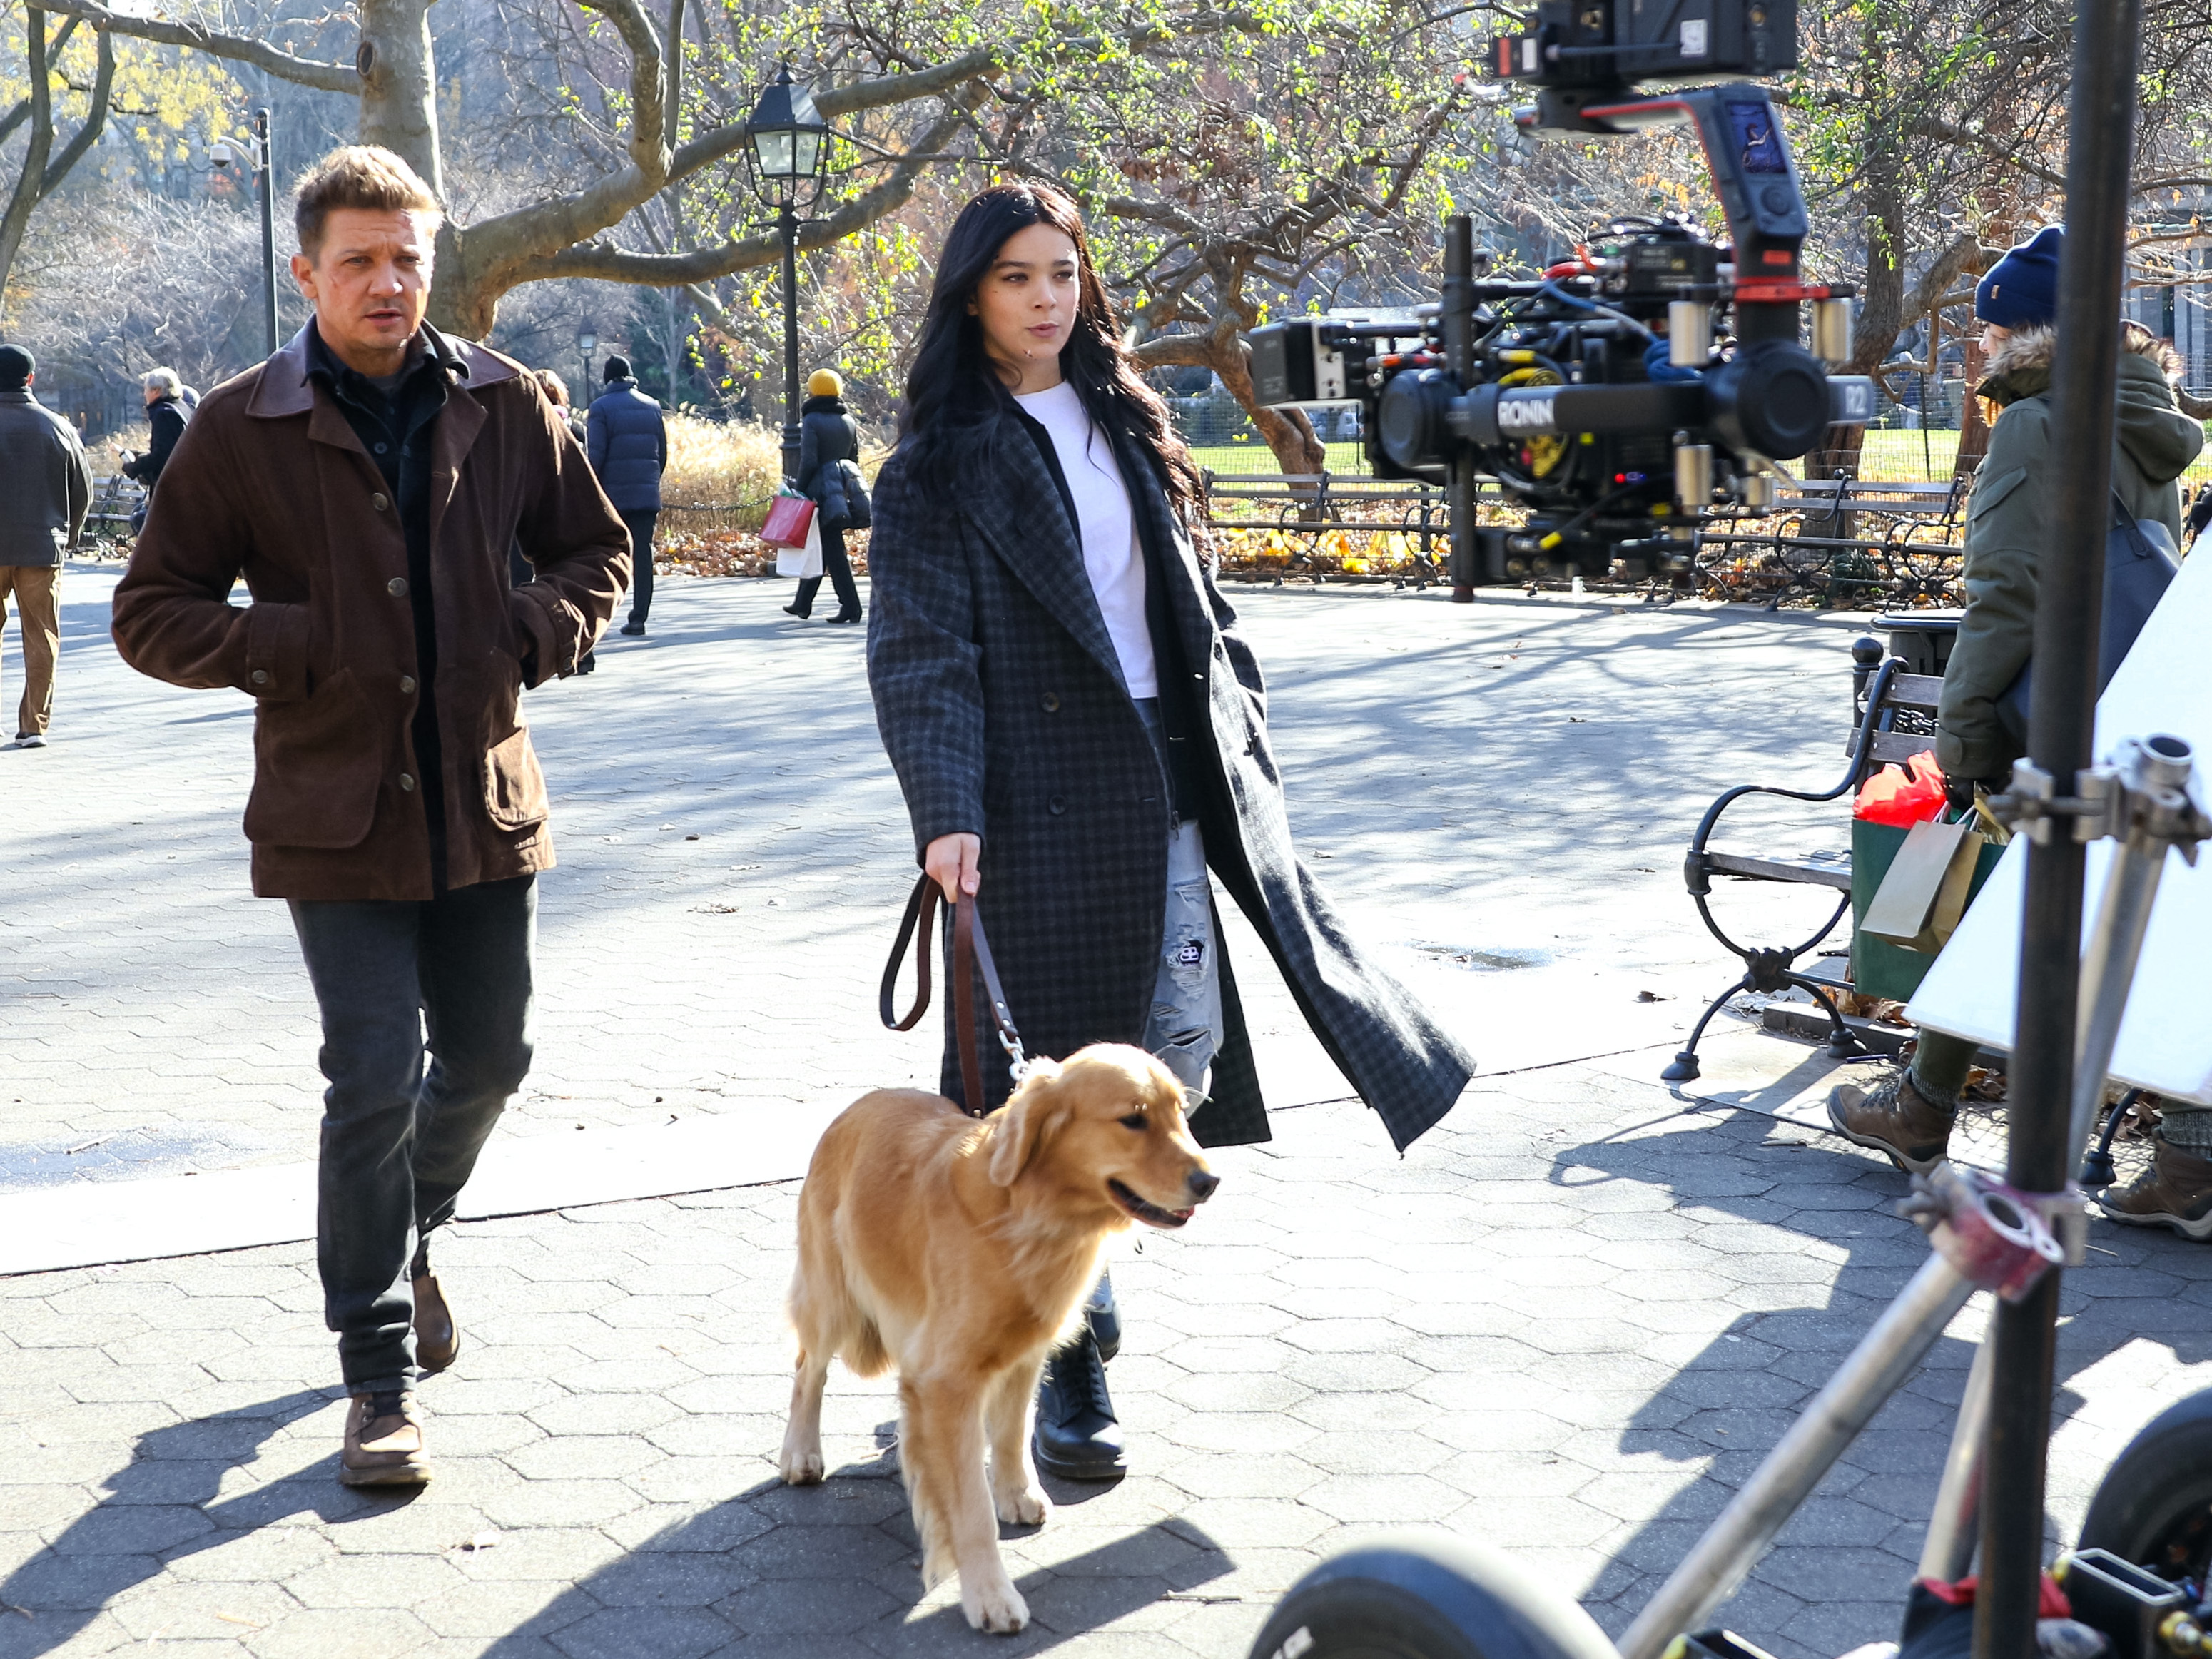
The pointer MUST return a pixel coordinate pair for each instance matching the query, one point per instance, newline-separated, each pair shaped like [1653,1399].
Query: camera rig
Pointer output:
[1628,390]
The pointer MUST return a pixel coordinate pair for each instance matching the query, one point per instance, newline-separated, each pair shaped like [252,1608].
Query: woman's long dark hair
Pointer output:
[953,385]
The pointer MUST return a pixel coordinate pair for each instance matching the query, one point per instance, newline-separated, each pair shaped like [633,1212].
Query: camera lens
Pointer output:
[1414,419]
[1771,400]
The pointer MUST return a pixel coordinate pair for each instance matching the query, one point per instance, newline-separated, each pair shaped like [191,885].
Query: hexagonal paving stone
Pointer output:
[816,1608]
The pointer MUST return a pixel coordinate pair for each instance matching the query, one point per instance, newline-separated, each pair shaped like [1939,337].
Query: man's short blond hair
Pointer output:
[359,176]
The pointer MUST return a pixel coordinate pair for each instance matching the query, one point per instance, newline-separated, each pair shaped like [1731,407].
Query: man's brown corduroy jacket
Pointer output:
[269,483]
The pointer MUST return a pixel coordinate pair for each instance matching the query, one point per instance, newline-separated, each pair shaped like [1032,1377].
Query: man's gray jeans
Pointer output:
[448,978]
[1184,1027]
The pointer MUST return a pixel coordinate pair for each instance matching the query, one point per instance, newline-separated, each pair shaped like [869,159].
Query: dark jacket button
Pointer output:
[259,676]
[405,781]
[379,502]
[1052,703]
[397,587]
[406,682]
[1055,806]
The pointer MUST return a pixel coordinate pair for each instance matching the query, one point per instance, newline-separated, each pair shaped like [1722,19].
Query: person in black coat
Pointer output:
[827,438]
[627,439]
[166,415]
[1080,732]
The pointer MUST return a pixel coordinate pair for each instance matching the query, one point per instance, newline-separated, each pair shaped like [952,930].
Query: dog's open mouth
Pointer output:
[1152,1214]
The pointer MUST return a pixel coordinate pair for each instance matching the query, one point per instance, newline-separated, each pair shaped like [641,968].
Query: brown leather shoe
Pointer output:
[383,1441]
[2175,1192]
[437,1338]
[1894,1118]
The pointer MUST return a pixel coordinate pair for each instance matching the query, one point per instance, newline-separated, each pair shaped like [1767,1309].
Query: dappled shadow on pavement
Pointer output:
[1747,1196]
[835,1568]
[165,1506]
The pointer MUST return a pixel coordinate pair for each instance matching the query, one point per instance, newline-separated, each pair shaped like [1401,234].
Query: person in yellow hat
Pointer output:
[829,474]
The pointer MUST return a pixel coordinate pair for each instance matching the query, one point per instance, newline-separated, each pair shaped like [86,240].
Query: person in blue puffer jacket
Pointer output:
[627,439]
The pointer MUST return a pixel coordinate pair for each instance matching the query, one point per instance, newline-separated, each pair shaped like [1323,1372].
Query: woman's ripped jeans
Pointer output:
[1184,1028]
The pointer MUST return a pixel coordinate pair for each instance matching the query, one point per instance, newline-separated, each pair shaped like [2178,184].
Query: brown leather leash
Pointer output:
[971,955]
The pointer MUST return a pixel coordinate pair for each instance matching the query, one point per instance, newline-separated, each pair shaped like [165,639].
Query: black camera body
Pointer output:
[1627,390]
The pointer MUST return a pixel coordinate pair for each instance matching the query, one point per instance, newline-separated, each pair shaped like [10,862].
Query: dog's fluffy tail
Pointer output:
[864,1353]
[831,1321]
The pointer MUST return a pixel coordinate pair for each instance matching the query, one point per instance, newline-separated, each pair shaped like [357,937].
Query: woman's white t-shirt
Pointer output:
[1111,557]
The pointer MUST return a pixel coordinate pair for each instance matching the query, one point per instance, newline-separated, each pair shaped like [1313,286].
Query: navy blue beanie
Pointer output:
[17,365]
[2021,289]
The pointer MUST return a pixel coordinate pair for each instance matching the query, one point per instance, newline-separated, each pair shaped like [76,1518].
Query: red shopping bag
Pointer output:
[789,518]
[1903,796]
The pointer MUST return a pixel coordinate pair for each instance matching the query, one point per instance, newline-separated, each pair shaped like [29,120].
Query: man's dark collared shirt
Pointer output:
[397,430]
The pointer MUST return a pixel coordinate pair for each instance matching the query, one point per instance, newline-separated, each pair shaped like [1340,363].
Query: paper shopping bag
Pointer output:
[789,518]
[805,562]
[1920,901]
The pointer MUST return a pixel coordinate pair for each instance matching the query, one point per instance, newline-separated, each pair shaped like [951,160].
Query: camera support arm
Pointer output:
[1756,178]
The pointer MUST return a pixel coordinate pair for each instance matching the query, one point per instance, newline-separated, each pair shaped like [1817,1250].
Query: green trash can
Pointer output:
[1879,968]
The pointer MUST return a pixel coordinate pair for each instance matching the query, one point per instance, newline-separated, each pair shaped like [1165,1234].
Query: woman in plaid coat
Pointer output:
[1081,733]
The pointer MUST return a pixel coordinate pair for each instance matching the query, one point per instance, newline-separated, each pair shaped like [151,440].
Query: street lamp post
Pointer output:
[266,180]
[223,154]
[784,146]
[587,342]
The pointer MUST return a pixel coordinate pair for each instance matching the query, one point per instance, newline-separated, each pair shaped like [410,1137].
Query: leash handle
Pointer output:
[921,911]
[971,957]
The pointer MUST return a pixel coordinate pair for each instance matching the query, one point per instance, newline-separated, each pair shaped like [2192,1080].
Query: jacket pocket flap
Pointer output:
[316,770]
[1988,492]
[514,785]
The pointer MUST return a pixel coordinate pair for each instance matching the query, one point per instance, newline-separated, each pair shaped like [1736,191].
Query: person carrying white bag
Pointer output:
[829,477]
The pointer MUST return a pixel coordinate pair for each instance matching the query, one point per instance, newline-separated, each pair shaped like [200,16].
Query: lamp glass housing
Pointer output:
[784,138]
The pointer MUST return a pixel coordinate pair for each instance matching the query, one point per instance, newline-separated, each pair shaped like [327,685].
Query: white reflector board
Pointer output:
[2165,1040]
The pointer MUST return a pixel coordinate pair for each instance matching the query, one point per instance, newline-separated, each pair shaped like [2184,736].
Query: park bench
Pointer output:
[1842,540]
[114,499]
[1303,507]
[1894,705]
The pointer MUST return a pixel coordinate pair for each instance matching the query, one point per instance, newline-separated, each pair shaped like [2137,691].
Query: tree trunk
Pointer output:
[1881,309]
[1287,432]
[399,86]
[30,186]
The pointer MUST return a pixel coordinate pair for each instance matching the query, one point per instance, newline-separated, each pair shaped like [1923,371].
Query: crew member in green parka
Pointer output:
[2007,524]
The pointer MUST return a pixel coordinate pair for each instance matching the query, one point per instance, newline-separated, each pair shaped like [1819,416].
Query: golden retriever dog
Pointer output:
[960,1250]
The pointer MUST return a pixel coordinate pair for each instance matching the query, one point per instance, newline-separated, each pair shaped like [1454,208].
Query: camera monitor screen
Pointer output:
[1758,145]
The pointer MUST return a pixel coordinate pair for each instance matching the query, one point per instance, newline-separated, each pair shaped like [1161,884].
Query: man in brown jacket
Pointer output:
[367,481]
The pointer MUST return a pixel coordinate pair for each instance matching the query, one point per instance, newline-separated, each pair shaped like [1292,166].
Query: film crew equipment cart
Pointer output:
[1448,1600]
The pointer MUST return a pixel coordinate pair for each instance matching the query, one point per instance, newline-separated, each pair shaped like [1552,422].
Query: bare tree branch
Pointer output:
[699,265]
[885,91]
[96,116]
[16,116]
[239,48]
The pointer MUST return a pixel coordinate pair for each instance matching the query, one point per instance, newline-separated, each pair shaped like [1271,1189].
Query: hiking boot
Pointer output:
[1103,1317]
[2175,1192]
[383,1441]
[1894,1118]
[437,1338]
[1078,1437]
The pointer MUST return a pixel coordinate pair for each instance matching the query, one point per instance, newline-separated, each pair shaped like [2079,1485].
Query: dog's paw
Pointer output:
[800,1466]
[996,1607]
[1029,1508]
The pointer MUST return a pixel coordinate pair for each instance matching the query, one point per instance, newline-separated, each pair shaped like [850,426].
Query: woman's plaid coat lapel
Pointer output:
[1022,517]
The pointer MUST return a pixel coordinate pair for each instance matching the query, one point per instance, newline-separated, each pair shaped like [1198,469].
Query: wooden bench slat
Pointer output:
[1895,748]
[1834,872]
[1913,691]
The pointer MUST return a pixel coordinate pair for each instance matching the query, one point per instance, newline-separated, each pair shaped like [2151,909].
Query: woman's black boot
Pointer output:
[1078,1437]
